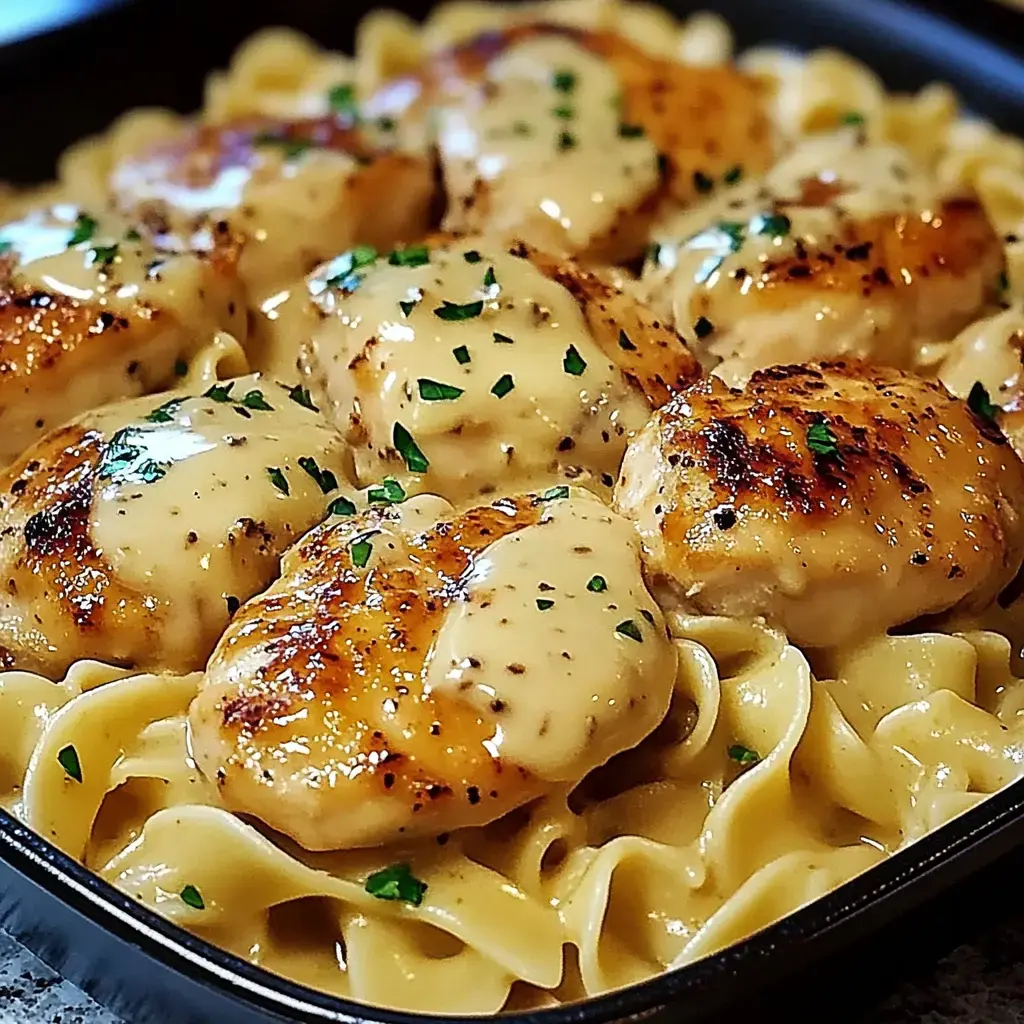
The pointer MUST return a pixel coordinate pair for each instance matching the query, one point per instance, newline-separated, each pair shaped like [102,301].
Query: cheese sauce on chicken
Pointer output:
[381,688]
[91,312]
[134,533]
[836,500]
[843,249]
[467,369]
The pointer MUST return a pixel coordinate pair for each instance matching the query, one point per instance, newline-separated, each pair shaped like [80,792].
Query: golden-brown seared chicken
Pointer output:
[132,534]
[834,499]
[294,192]
[415,671]
[90,312]
[843,249]
[471,368]
[571,138]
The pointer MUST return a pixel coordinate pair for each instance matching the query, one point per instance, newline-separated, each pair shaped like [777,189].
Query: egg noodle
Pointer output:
[777,774]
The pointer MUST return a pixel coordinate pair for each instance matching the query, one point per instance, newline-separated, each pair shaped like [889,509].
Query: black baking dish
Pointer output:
[73,81]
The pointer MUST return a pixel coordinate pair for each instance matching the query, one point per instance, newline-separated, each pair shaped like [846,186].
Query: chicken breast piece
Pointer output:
[91,312]
[472,368]
[571,139]
[415,671]
[834,499]
[133,534]
[293,192]
[843,249]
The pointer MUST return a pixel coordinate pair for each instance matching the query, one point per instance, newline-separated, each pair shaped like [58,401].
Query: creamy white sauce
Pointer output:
[554,645]
[368,357]
[540,140]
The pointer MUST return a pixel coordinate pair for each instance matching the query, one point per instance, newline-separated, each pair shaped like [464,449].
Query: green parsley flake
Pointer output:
[821,440]
[503,385]
[555,493]
[631,131]
[472,256]
[503,339]
[743,755]
[341,507]
[462,354]
[85,228]
[564,113]
[566,140]
[323,478]
[564,81]
[411,256]
[342,100]
[125,459]
[853,117]
[254,400]
[573,362]
[735,233]
[521,128]
[396,883]
[164,413]
[191,898]
[980,403]
[5,246]
[597,585]
[631,629]
[733,175]
[361,550]
[702,183]
[453,311]
[490,281]
[543,604]
[624,343]
[104,255]
[777,225]
[277,479]
[301,396]
[390,492]
[219,393]
[415,460]
[435,391]
[344,268]
[291,148]
[1004,281]
[386,124]
[68,759]
[408,305]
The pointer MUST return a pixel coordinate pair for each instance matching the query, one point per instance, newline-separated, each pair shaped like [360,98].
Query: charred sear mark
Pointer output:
[253,713]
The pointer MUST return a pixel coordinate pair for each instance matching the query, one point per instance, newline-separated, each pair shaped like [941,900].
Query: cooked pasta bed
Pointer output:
[510,513]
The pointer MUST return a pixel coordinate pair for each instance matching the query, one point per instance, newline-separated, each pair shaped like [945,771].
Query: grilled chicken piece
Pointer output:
[132,534]
[835,499]
[293,192]
[467,369]
[90,312]
[571,138]
[844,249]
[410,675]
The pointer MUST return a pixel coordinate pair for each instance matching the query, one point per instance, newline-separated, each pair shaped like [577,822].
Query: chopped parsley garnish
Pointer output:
[854,117]
[555,493]
[435,391]
[277,479]
[624,343]
[411,256]
[323,478]
[5,246]
[775,224]
[254,400]
[597,585]
[521,128]
[131,235]
[386,124]
[490,281]
[981,404]
[244,413]
[734,230]
[180,368]
[415,460]
[564,113]
[566,140]
[703,327]
[503,339]
[743,755]
[564,81]
[191,897]
[301,396]
[341,507]
[342,100]
[631,629]
[233,603]
[164,413]
[291,148]
[461,354]
[631,131]
[346,266]
[408,305]
[125,460]
[390,492]
[1004,281]
[361,550]
[472,256]
[543,604]
[68,758]
[453,311]
[573,362]
[821,440]
[702,183]
[85,228]
[396,883]
[503,385]
[219,393]
[105,254]
[733,175]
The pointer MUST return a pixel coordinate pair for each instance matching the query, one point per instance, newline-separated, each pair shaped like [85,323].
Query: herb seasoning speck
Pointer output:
[68,759]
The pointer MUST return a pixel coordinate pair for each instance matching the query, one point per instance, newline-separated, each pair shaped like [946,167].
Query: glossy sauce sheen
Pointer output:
[822,488]
[107,318]
[844,248]
[355,704]
[134,541]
